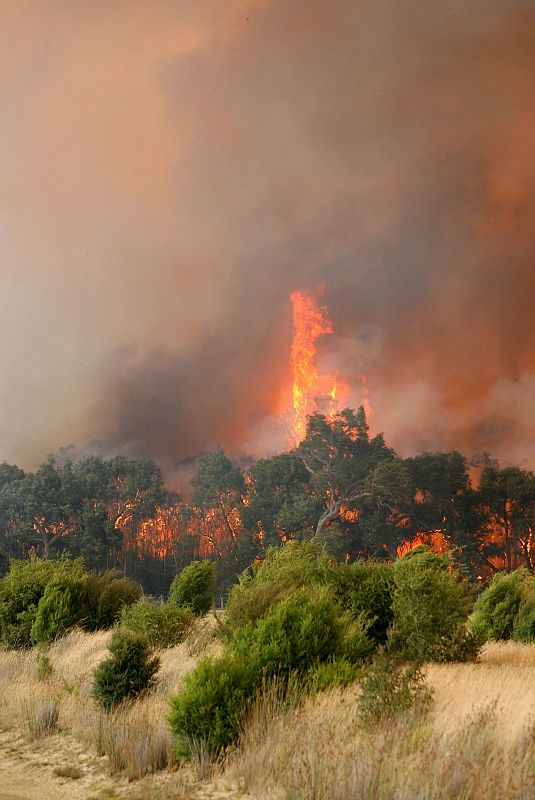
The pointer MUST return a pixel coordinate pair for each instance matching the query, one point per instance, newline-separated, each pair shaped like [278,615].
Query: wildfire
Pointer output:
[208,531]
[312,390]
[434,539]
[170,531]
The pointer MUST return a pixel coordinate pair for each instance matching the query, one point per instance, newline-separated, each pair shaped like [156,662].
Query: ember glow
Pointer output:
[170,531]
[435,539]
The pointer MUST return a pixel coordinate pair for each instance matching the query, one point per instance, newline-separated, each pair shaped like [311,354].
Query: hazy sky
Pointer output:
[171,171]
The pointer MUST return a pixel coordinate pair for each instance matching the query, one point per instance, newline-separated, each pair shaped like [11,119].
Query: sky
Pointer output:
[171,171]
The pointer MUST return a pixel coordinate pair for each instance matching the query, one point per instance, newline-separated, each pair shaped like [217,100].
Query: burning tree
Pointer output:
[280,503]
[506,503]
[312,390]
[349,471]
[218,490]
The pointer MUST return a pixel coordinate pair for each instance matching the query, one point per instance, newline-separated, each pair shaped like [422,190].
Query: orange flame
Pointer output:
[434,539]
[206,532]
[312,390]
[179,528]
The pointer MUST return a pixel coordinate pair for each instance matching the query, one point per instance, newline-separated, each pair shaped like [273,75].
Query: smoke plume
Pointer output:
[171,171]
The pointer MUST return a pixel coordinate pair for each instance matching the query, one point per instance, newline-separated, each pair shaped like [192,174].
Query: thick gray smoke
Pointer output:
[171,171]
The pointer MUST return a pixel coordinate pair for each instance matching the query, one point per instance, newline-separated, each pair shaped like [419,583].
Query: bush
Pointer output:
[127,673]
[207,713]
[45,669]
[497,607]
[299,632]
[193,588]
[295,636]
[294,565]
[356,645]
[64,604]
[391,688]
[431,604]
[20,592]
[363,589]
[338,672]
[524,624]
[284,570]
[41,599]
[163,624]
[76,597]
[108,594]
[366,587]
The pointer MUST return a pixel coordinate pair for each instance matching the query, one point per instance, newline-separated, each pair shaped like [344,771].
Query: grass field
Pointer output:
[477,741]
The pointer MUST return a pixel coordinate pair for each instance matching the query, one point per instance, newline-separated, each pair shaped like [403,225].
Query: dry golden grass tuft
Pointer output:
[73,773]
[317,752]
[43,693]
[476,742]
[41,710]
[503,678]
[135,738]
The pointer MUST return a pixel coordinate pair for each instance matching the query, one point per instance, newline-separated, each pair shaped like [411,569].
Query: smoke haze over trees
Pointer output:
[171,172]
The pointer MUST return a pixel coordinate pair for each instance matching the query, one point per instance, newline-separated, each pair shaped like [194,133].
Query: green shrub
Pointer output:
[44,667]
[249,601]
[163,624]
[356,645]
[76,597]
[20,592]
[295,564]
[63,605]
[284,625]
[497,607]
[207,713]
[366,587]
[302,630]
[431,604]
[363,589]
[283,571]
[193,588]
[108,594]
[390,688]
[524,624]
[338,672]
[127,673]
[41,599]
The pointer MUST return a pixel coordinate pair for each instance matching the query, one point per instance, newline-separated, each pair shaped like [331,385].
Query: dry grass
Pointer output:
[477,742]
[503,678]
[41,710]
[318,753]
[135,737]
[74,773]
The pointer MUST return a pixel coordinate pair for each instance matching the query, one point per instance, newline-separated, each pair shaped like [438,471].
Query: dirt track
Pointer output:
[27,769]
[26,782]
[11,797]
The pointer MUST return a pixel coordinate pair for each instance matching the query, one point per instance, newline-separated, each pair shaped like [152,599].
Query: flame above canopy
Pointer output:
[312,390]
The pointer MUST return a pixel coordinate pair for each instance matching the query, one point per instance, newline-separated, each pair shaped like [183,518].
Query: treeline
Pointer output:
[82,509]
[340,487]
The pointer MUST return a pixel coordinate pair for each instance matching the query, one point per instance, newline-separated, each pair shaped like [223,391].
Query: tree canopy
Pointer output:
[340,487]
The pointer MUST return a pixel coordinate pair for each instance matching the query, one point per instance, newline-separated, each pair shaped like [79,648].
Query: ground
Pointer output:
[480,711]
